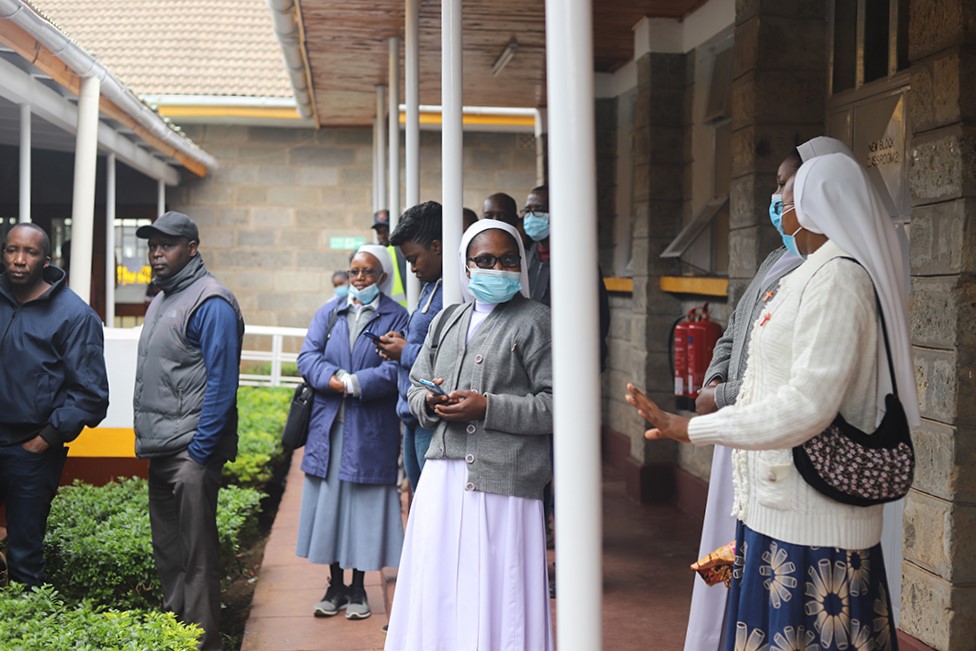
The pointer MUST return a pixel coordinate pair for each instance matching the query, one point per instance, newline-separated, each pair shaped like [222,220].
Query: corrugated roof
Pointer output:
[179,47]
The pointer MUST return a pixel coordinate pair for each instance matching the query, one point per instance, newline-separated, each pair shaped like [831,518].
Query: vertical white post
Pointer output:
[376,163]
[452,144]
[160,197]
[381,146]
[110,270]
[575,321]
[394,114]
[25,163]
[412,127]
[83,196]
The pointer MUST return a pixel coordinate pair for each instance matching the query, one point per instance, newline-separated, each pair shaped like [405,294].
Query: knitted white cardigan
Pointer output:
[807,360]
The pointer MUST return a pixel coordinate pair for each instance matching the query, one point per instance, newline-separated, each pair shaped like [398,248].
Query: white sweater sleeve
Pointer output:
[836,310]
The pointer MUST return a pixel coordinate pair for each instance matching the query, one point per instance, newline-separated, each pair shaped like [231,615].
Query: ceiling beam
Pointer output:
[21,42]
[19,87]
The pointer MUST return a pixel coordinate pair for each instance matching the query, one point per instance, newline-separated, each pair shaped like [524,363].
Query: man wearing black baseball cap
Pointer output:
[185,407]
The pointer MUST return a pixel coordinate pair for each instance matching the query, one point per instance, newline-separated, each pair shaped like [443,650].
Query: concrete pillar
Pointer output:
[379,165]
[394,121]
[25,164]
[411,74]
[110,269]
[575,321]
[452,144]
[658,180]
[939,585]
[83,196]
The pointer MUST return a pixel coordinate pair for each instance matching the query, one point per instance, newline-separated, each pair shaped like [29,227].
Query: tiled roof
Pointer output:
[179,47]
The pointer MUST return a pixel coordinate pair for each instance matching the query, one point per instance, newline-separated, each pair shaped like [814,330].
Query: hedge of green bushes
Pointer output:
[261,415]
[41,619]
[99,546]
[99,550]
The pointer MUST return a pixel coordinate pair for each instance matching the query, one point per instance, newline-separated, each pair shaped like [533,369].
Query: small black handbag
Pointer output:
[295,432]
[852,467]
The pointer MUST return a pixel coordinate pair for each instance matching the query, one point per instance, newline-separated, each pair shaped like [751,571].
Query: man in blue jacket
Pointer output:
[418,235]
[185,406]
[52,384]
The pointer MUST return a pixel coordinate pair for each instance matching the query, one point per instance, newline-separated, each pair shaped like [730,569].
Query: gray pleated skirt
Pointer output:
[358,526]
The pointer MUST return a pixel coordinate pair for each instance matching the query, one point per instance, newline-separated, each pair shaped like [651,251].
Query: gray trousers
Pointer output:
[183,515]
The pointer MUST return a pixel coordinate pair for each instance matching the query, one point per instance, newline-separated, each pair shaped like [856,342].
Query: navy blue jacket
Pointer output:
[52,365]
[371,429]
[416,333]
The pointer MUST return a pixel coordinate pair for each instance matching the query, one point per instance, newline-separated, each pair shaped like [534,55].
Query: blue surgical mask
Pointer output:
[776,211]
[342,291]
[493,285]
[790,242]
[536,225]
[366,295]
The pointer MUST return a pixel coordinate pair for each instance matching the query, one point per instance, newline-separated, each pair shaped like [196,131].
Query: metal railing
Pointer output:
[276,356]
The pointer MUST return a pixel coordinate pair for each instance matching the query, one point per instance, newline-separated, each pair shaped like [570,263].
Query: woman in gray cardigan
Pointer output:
[473,571]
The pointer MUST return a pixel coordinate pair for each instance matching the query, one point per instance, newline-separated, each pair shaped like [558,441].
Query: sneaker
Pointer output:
[357,607]
[335,599]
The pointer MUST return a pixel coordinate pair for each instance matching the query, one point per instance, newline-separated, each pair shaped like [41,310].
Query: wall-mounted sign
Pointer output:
[346,243]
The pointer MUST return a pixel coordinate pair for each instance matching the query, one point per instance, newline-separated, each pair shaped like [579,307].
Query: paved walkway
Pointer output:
[647,585]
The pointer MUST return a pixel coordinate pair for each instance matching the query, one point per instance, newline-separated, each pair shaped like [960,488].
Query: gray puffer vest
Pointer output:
[170,376]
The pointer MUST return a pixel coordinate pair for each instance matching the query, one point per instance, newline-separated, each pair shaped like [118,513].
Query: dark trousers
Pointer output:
[28,483]
[183,515]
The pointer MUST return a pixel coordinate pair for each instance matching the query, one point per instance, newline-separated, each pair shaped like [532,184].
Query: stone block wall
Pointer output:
[269,214]
[939,582]
[640,323]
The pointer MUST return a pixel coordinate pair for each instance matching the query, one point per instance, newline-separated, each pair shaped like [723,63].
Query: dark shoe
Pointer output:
[335,599]
[357,607]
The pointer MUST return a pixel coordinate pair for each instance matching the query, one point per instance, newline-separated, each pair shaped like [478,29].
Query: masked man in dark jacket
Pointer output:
[52,384]
[185,407]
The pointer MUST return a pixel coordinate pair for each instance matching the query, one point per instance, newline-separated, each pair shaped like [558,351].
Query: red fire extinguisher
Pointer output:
[680,343]
[703,333]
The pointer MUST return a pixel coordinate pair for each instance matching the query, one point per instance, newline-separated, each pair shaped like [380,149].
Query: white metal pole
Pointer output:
[110,265]
[412,127]
[160,197]
[83,196]
[25,163]
[394,116]
[376,163]
[575,321]
[381,146]
[452,144]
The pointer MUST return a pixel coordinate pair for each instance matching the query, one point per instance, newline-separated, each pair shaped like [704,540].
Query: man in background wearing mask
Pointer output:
[535,224]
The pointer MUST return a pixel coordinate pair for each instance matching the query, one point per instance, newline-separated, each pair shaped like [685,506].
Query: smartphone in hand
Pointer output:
[374,337]
[433,387]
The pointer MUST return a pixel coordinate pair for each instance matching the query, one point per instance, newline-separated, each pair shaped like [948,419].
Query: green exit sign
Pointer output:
[346,243]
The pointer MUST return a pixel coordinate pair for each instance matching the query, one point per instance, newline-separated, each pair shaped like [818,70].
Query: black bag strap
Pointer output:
[884,326]
[877,301]
[438,336]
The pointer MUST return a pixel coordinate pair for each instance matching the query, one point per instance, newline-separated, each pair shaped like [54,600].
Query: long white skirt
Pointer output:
[473,571]
[707,616]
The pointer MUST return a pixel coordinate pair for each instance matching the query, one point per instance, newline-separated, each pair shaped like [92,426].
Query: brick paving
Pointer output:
[647,586]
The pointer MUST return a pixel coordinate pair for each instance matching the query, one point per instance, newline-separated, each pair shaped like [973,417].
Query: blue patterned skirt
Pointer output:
[797,598]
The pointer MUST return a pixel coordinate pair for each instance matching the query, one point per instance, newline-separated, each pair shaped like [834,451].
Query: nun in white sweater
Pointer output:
[809,570]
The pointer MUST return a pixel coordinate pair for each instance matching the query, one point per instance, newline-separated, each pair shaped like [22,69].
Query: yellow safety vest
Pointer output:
[397,293]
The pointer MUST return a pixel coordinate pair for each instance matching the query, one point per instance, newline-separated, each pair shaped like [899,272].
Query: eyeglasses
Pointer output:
[487,261]
[361,272]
